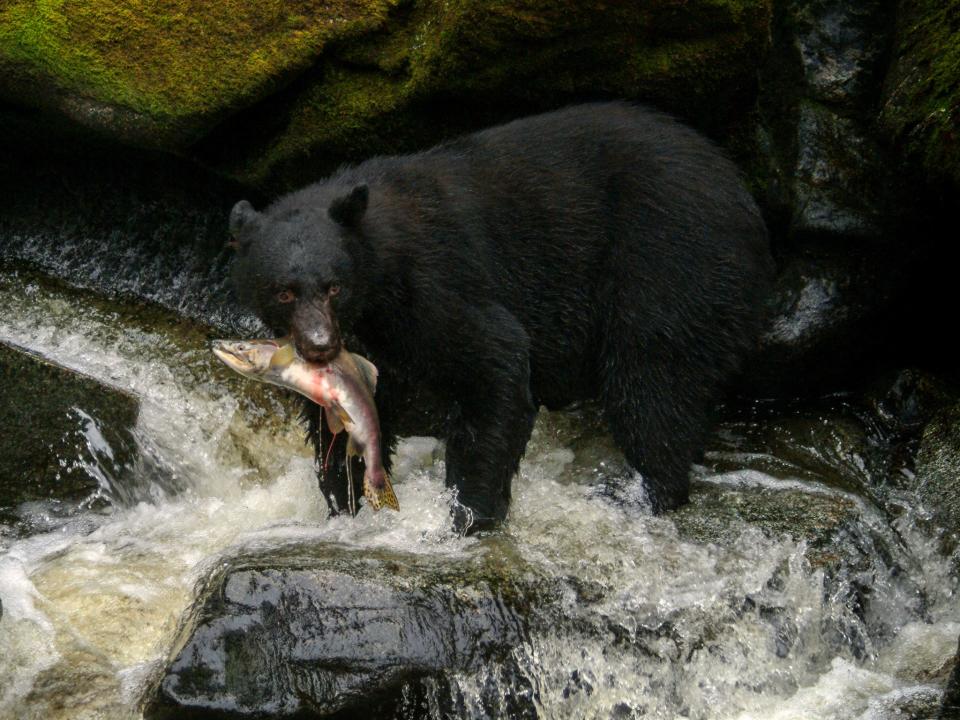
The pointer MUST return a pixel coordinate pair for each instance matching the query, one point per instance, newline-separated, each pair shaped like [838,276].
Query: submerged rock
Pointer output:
[313,630]
[718,513]
[64,437]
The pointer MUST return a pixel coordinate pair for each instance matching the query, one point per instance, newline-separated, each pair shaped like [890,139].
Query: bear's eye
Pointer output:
[285,296]
[334,290]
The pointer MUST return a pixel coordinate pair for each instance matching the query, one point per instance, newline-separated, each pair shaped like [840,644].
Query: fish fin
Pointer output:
[368,370]
[334,422]
[382,496]
[284,356]
[342,415]
[352,450]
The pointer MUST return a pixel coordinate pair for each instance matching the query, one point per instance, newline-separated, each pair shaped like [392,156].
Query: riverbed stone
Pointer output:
[65,437]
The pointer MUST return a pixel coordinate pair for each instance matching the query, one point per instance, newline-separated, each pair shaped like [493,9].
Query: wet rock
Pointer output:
[840,178]
[841,538]
[272,94]
[938,473]
[832,442]
[908,399]
[826,314]
[65,437]
[149,351]
[826,175]
[316,630]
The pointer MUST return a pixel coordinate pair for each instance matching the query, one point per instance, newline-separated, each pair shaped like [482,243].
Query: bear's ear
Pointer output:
[348,209]
[241,217]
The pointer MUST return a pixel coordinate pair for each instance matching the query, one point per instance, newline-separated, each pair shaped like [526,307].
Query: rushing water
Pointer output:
[754,628]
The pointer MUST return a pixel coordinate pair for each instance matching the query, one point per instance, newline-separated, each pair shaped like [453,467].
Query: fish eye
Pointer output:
[242,347]
[334,290]
[285,296]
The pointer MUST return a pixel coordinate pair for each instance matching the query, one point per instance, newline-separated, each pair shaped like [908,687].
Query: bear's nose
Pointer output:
[318,349]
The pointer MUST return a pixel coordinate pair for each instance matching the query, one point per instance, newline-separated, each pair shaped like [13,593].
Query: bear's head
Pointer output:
[298,265]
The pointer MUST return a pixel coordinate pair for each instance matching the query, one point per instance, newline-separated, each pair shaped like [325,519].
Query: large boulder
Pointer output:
[315,629]
[277,93]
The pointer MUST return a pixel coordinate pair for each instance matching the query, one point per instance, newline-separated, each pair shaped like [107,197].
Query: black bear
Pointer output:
[600,251]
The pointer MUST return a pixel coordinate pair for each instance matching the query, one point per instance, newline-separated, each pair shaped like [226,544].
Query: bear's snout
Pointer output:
[316,332]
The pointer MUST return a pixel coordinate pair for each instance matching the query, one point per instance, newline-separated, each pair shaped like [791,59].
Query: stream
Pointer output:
[720,611]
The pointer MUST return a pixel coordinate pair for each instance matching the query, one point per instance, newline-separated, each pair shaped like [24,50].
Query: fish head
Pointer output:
[299,264]
[255,358]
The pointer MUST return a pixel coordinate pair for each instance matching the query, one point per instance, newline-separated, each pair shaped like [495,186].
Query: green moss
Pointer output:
[922,104]
[171,60]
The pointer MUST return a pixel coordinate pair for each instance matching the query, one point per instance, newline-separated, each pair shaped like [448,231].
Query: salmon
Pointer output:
[344,387]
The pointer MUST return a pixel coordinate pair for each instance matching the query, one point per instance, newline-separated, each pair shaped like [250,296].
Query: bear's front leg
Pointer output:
[487,383]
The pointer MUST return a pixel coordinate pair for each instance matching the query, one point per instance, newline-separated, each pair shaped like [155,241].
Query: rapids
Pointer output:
[754,628]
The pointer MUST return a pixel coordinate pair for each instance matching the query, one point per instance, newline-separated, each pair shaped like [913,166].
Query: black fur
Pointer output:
[603,250]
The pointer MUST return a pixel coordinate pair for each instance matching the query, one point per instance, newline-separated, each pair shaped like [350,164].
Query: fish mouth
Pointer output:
[226,354]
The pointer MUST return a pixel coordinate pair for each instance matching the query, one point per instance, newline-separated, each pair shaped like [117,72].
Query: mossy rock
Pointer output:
[275,93]
[921,109]
[161,73]
[63,434]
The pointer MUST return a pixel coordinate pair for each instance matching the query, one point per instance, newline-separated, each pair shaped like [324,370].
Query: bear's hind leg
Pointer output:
[658,415]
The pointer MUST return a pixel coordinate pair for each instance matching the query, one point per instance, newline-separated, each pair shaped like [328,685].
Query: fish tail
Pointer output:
[379,492]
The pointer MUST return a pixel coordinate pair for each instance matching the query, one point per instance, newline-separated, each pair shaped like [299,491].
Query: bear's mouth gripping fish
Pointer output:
[344,387]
